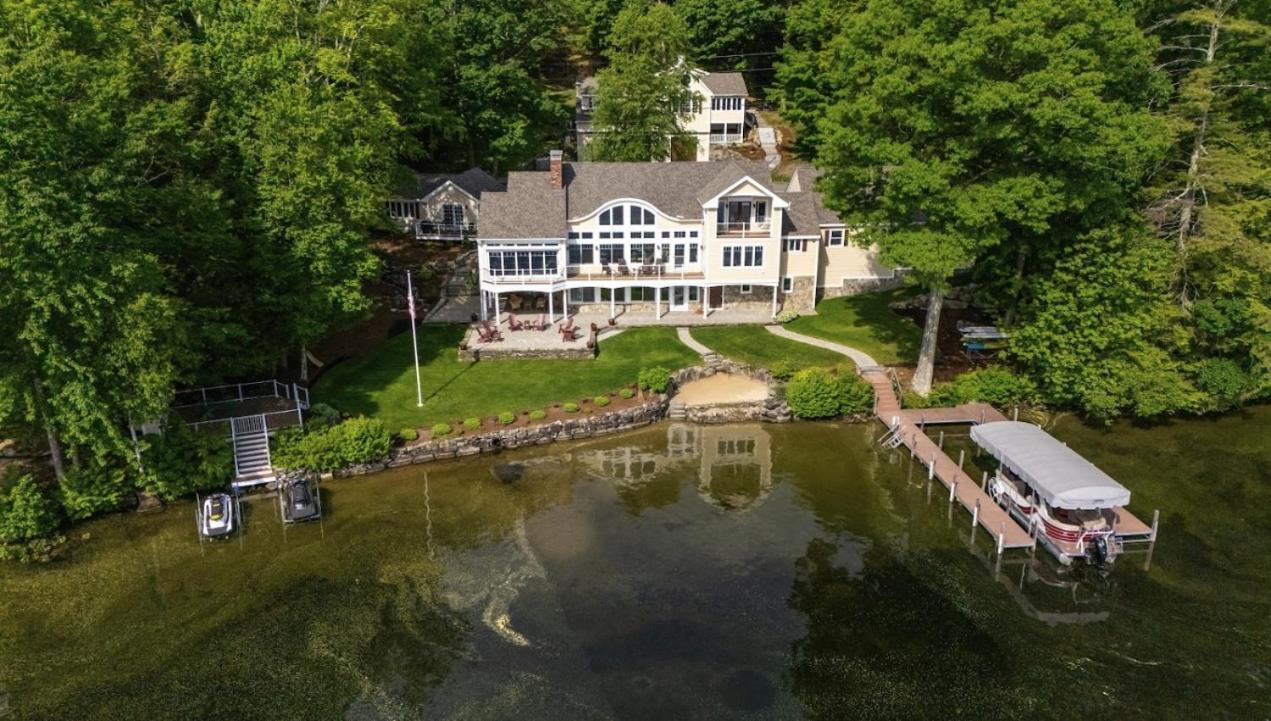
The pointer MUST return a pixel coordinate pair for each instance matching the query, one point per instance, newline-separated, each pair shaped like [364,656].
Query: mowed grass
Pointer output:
[382,383]
[866,322]
[756,346]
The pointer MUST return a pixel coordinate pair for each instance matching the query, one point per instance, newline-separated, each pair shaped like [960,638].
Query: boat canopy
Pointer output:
[1059,474]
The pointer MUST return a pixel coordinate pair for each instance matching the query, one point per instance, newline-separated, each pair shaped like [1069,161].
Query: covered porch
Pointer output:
[665,303]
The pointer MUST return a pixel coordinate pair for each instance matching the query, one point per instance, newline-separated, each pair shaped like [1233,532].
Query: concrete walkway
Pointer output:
[768,141]
[864,362]
[687,339]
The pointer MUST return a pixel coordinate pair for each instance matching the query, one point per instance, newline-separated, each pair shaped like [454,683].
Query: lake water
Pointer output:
[680,572]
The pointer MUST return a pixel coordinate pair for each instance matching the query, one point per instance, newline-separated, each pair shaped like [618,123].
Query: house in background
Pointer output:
[441,206]
[716,118]
[699,242]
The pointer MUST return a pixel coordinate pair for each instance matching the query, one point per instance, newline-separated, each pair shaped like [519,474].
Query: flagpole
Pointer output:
[414,341]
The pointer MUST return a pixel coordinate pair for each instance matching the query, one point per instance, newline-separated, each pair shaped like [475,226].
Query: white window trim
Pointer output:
[745,289]
[787,284]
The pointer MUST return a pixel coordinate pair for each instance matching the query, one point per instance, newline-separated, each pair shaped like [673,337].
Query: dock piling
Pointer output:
[1156,519]
[984,479]
[931,467]
[975,517]
[1015,414]
[940,443]
[953,489]
[1001,539]
[961,458]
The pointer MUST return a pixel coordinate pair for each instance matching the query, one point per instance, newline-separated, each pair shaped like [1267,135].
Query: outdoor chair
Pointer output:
[513,323]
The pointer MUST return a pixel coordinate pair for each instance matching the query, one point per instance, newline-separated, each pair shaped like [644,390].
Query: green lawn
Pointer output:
[754,345]
[865,322]
[382,384]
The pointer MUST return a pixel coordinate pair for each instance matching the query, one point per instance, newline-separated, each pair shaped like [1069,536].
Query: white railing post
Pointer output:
[240,390]
[233,439]
[204,392]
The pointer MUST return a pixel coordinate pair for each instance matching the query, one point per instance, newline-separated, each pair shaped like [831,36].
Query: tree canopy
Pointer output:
[642,94]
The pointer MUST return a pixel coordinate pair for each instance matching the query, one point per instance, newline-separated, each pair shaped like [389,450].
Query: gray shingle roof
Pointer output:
[725,83]
[474,181]
[530,208]
[678,188]
[801,217]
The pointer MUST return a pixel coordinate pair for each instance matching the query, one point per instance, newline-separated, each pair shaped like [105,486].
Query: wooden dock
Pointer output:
[909,426]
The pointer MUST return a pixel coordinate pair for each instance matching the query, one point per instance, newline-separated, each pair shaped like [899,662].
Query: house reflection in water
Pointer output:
[734,467]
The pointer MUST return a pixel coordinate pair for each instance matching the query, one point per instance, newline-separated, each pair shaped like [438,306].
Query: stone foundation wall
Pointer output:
[803,297]
[861,285]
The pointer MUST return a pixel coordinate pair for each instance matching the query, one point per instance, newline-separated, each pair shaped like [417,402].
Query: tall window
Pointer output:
[452,214]
[743,256]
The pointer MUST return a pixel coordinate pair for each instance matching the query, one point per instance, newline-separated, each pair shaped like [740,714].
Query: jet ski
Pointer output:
[217,520]
[299,500]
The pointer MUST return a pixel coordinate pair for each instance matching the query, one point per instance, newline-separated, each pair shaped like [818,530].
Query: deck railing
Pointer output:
[645,271]
[725,138]
[273,420]
[238,392]
[743,228]
[444,231]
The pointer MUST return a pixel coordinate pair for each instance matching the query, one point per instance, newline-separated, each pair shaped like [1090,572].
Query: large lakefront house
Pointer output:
[716,118]
[648,240]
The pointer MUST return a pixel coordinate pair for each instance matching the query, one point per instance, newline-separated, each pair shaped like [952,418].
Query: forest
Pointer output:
[189,188]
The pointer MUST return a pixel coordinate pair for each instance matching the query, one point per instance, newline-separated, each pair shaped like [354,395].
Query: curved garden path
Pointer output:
[886,402]
[694,345]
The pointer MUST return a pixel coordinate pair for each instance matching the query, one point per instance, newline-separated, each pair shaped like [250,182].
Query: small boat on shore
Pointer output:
[217,519]
[1071,506]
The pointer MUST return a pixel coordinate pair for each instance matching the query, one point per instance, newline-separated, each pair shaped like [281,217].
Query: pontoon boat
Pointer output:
[1069,505]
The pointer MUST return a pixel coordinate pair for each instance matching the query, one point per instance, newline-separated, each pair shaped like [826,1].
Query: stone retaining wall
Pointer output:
[769,410]
[593,426]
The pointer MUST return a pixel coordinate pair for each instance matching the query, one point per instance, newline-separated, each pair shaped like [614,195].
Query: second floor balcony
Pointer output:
[443,230]
[743,228]
[633,271]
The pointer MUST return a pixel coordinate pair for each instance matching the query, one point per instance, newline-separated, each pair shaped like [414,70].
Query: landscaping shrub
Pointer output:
[783,370]
[600,401]
[655,379]
[994,385]
[626,393]
[441,429]
[408,434]
[507,418]
[323,415]
[182,461]
[786,316]
[472,424]
[94,488]
[357,440]
[819,393]
[538,414]
[27,513]
[569,407]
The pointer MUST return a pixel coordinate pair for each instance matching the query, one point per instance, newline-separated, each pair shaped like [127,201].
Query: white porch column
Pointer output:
[485,298]
[657,303]
[774,301]
[564,298]
[496,309]
[551,312]
[613,294]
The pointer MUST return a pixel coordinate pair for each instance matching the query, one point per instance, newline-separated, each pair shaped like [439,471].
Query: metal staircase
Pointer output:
[252,464]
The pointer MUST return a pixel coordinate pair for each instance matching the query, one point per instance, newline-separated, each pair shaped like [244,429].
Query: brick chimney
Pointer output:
[555,164]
